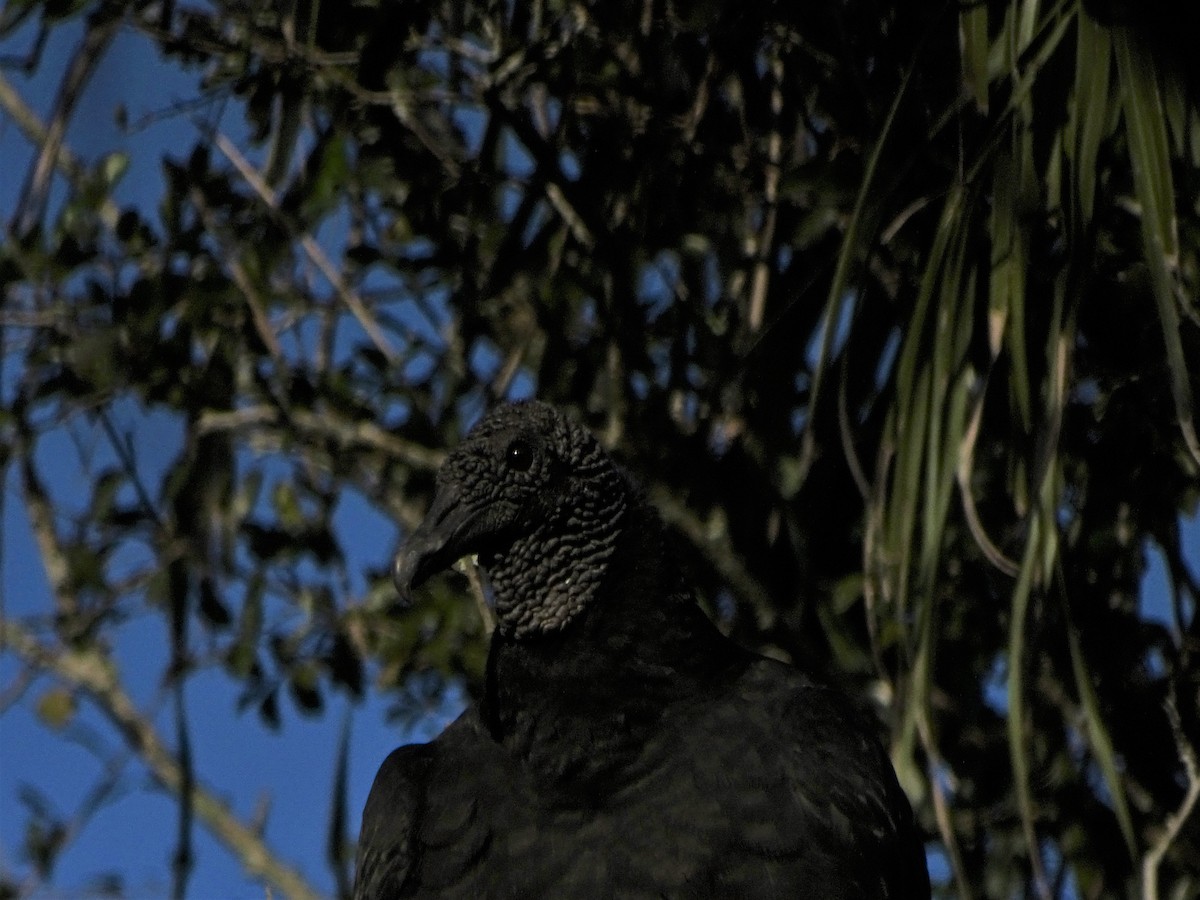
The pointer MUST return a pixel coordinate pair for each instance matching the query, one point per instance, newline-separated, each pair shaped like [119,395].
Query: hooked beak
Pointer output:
[443,537]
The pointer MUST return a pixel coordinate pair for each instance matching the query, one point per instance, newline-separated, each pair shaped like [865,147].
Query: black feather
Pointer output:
[623,746]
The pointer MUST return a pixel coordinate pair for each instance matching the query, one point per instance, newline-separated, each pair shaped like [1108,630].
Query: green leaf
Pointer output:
[1102,747]
[1090,112]
[1146,128]
[287,506]
[1018,717]
[328,184]
[850,252]
[56,708]
[303,686]
[243,653]
[112,168]
[104,494]
[972,27]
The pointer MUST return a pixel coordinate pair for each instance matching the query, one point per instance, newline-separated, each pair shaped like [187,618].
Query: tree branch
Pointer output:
[66,162]
[312,250]
[1174,823]
[102,28]
[762,242]
[713,543]
[346,433]
[88,670]
[41,518]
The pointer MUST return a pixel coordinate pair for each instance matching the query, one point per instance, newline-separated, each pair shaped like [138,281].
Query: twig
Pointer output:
[403,110]
[941,807]
[963,473]
[348,434]
[765,239]
[241,278]
[66,161]
[570,215]
[846,432]
[312,250]
[1174,823]
[101,794]
[470,568]
[90,671]
[11,694]
[876,564]
[102,27]
[714,545]
[700,102]
[41,518]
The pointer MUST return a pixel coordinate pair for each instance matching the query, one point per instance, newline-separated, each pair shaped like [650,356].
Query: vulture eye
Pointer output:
[518,456]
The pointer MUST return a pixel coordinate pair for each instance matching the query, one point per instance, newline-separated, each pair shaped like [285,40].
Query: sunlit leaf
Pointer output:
[56,708]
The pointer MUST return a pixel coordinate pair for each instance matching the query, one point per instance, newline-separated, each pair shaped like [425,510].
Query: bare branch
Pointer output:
[102,28]
[41,518]
[765,239]
[713,542]
[938,770]
[570,215]
[347,433]
[312,250]
[12,693]
[1174,823]
[66,161]
[242,279]
[90,671]
[470,568]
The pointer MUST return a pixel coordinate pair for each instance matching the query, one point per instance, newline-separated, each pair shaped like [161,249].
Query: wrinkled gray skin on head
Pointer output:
[541,503]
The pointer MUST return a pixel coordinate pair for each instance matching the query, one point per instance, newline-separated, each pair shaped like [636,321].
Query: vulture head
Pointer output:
[537,499]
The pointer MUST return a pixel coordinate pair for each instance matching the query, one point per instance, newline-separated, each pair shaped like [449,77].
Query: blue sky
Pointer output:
[236,757]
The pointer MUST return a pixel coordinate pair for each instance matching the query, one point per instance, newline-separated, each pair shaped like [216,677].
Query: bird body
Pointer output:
[622,746]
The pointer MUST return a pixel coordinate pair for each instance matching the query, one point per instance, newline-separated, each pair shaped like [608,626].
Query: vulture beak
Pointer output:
[440,540]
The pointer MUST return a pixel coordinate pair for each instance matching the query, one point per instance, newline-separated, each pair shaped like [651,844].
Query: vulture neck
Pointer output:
[605,678]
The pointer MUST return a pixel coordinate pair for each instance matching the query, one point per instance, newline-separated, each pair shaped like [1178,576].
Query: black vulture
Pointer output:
[622,746]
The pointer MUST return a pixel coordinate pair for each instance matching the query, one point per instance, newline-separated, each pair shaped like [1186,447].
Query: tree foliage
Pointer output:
[891,310]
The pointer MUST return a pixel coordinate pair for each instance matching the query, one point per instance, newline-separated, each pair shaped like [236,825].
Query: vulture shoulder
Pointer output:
[621,746]
[394,808]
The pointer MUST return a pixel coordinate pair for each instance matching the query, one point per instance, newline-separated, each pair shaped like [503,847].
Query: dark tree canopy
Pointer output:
[892,310]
